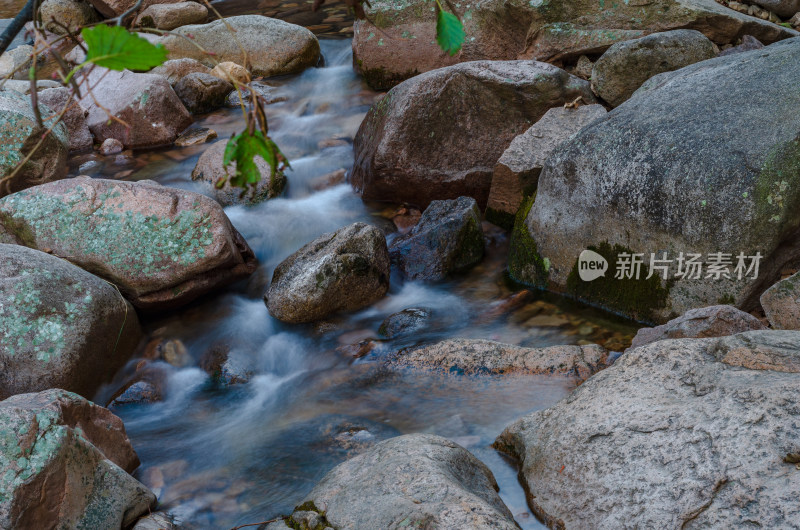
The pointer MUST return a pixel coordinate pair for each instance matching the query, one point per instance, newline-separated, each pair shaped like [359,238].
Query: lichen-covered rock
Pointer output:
[171,16]
[202,93]
[176,69]
[146,110]
[629,184]
[58,99]
[74,14]
[341,271]
[439,134]
[415,480]
[626,65]
[700,323]
[209,170]
[516,174]
[19,133]
[688,433]
[61,326]
[476,356]
[273,47]
[781,303]
[397,40]
[162,247]
[448,239]
[66,464]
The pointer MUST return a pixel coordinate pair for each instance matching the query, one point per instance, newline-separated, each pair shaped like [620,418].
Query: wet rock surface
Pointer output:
[676,433]
[67,463]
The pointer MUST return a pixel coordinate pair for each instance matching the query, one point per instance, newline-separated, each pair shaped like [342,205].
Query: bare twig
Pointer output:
[256,524]
[121,19]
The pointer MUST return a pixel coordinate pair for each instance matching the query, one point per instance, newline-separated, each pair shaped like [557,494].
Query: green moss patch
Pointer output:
[525,265]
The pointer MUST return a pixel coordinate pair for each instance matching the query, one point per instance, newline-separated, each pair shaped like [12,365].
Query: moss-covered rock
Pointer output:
[161,247]
[65,464]
[662,175]
[61,326]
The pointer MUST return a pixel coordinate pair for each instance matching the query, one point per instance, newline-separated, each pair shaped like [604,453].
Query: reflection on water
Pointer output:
[220,455]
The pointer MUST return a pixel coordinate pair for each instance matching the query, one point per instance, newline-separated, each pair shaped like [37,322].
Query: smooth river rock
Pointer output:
[66,464]
[162,247]
[61,326]
[439,135]
[686,433]
[342,271]
[629,184]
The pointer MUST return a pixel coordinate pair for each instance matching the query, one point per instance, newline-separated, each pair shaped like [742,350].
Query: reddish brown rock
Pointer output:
[781,303]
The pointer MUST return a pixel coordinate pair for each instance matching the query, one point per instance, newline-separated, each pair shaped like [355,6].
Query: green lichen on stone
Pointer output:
[635,298]
[122,240]
[525,265]
[777,189]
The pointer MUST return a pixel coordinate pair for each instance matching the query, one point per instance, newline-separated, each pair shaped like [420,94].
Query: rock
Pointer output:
[677,433]
[152,113]
[447,240]
[136,393]
[111,146]
[516,174]
[749,43]
[627,184]
[225,367]
[62,327]
[24,87]
[171,16]
[265,92]
[412,146]
[162,247]
[209,170]
[202,93]
[405,322]
[424,479]
[474,356]
[19,133]
[113,8]
[342,271]
[176,69]
[397,40]
[16,63]
[625,66]
[66,464]
[782,8]
[231,72]
[273,47]
[704,322]
[57,99]
[72,14]
[795,20]
[157,521]
[781,303]
[196,136]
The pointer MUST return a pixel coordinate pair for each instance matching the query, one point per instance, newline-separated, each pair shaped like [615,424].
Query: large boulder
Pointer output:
[414,481]
[476,356]
[19,135]
[781,303]
[413,145]
[201,92]
[209,170]
[700,323]
[628,187]
[58,99]
[626,65]
[448,239]
[341,271]
[516,174]
[171,16]
[62,327]
[66,464]
[162,247]
[271,47]
[688,433]
[397,40]
[145,112]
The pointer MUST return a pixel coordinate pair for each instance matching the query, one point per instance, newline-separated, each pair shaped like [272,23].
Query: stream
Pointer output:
[220,456]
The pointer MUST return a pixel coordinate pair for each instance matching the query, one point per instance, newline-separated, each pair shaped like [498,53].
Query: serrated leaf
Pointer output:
[116,48]
[242,149]
[449,32]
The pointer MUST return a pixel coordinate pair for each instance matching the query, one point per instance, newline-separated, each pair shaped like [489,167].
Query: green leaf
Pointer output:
[449,32]
[116,48]
[242,149]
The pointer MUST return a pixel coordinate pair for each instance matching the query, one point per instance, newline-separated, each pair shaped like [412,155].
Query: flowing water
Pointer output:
[220,456]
